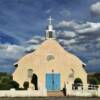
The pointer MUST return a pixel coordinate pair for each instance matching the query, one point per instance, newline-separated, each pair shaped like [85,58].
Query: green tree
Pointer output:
[94,81]
[5,79]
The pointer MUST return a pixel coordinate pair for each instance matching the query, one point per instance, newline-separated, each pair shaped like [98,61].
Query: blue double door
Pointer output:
[53,81]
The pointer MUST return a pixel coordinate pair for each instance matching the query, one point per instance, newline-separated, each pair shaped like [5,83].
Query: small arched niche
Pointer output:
[34,81]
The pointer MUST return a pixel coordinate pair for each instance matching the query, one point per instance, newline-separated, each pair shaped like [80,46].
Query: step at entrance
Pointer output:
[55,93]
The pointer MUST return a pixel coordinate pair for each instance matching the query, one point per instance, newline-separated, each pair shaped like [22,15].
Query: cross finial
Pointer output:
[50,20]
[50,32]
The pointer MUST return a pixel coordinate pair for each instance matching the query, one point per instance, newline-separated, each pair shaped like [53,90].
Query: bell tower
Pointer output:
[50,32]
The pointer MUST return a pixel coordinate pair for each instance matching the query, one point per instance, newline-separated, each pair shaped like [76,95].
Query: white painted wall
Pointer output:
[22,93]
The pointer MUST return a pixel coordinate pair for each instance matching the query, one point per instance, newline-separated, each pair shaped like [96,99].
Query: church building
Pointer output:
[50,66]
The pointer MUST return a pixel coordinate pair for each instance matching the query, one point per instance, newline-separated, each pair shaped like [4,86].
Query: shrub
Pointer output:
[26,85]
[5,86]
[77,81]
[94,81]
[14,84]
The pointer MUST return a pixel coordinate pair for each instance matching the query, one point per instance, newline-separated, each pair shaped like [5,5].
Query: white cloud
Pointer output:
[92,27]
[69,34]
[32,48]
[9,51]
[35,40]
[67,24]
[66,33]
[34,43]
[80,27]
[95,8]
[14,48]
[66,42]
[98,39]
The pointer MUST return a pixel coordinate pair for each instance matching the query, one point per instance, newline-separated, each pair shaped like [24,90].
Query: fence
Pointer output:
[43,92]
[23,93]
[83,91]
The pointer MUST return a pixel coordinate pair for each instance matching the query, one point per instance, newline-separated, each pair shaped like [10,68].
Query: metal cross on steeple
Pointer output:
[50,20]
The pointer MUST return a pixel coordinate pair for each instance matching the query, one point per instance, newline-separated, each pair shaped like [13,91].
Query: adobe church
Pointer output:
[50,66]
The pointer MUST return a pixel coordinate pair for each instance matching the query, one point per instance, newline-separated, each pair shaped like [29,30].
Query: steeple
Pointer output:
[50,32]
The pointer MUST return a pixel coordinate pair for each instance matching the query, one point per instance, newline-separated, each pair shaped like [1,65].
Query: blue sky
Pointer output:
[23,23]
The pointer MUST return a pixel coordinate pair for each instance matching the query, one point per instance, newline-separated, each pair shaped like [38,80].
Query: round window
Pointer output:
[50,57]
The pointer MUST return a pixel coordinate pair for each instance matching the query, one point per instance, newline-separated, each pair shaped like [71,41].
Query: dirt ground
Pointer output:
[52,98]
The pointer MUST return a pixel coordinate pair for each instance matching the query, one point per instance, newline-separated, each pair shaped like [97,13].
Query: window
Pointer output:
[50,57]
[50,34]
[71,74]
[30,73]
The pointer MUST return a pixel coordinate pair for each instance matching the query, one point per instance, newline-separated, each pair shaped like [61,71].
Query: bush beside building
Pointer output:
[7,82]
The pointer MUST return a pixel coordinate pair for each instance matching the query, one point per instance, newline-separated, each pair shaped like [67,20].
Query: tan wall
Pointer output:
[63,63]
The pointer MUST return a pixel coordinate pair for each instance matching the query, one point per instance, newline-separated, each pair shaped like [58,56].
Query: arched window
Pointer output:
[50,34]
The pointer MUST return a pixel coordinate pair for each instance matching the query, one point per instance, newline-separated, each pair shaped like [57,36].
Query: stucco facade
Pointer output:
[50,57]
